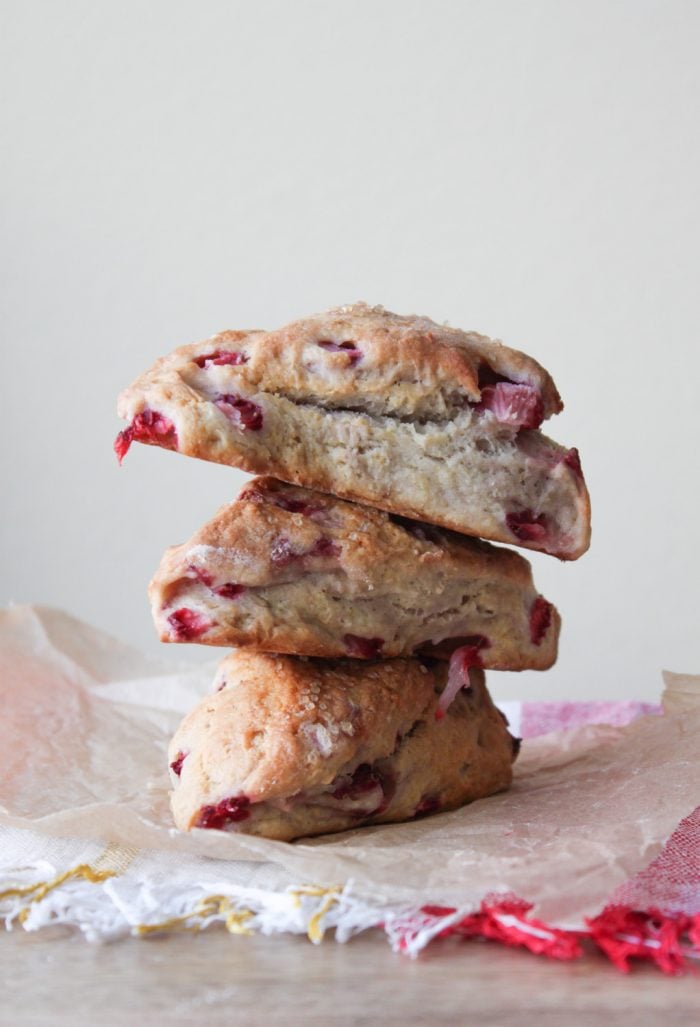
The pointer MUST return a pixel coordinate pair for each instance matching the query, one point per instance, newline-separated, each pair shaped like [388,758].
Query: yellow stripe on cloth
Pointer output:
[330,896]
[116,859]
[38,891]
[212,905]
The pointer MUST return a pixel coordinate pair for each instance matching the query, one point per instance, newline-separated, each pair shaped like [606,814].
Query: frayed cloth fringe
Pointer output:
[88,899]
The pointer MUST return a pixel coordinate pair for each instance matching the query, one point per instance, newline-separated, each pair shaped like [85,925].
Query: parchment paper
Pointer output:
[86,720]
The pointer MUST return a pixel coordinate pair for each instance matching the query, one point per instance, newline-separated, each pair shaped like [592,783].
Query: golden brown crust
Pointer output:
[287,739]
[288,570]
[404,366]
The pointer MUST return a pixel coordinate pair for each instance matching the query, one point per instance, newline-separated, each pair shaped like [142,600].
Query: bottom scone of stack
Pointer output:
[288,747]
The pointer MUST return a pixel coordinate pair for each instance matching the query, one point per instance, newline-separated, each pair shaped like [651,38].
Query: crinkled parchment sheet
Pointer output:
[85,723]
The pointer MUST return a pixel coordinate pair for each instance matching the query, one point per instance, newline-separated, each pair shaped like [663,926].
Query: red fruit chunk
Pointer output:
[188,624]
[284,502]
[219,358]
[176,765]
[573,460]
[290,504]
[229,590]
[428,804]
[282,554]
[201,575]
[228,811]
[252,495]
[461,662]
[242,412]
[526,526]
[122,444]
[540,619]
[365,779]
[324,547]
[350,348]
[149,427]
[293,505]
[518,405]
[363,648]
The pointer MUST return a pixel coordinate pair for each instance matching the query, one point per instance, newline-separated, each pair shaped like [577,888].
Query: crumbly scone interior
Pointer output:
[518,486]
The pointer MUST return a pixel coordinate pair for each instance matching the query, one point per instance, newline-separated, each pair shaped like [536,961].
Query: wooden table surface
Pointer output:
[55,977]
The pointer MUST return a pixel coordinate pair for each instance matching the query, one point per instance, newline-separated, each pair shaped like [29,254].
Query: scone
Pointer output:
[395,412]
[289,747]
[287,570]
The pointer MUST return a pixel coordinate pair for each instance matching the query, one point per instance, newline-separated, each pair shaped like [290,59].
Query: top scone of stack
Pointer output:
[398,413]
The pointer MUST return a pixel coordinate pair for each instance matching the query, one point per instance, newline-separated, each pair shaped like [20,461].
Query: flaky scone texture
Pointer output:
[288,747]
[396,412]
[288,570]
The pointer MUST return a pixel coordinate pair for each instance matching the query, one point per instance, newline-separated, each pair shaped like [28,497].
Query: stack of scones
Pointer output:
[351,579]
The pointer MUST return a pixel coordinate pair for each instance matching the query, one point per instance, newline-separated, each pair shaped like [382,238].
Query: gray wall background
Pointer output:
[526,169]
